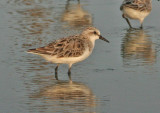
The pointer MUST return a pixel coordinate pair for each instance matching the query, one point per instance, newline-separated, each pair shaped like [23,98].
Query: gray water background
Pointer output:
[120,77]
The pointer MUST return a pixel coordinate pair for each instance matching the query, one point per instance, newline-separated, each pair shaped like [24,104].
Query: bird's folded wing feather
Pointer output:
[140,5]
[65,47]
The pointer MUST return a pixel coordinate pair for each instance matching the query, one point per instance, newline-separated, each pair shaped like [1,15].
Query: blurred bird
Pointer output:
[136,9]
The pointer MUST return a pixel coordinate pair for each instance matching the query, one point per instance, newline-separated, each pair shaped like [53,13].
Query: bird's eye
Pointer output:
[95,32]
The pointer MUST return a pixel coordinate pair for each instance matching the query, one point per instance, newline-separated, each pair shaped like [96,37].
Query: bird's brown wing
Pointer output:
[72,46]
[141,5]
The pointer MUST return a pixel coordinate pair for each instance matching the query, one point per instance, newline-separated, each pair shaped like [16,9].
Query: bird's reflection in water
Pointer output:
[137,48]
[75,15]
[32,19]
[66,96]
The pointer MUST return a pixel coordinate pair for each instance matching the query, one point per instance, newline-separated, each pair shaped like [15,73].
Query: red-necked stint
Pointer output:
[136,9]
[71,49]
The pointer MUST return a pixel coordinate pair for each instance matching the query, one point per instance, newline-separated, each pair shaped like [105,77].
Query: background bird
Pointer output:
[136,9]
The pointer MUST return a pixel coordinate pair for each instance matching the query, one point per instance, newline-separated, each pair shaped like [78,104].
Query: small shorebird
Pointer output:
[136,9]
[71,49]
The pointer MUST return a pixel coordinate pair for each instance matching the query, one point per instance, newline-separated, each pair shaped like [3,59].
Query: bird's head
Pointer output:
[93,34]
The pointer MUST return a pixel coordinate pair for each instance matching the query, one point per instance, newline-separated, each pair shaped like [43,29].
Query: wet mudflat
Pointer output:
[120,77]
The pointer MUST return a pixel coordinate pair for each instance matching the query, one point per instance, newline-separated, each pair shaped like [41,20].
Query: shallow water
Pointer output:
[120,77]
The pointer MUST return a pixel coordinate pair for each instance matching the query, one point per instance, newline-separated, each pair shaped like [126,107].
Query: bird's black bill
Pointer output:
[102,38]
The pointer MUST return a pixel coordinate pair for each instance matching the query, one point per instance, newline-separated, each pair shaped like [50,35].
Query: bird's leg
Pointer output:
[127,21]
[78,1]
[69,71]
[56,72]
[141,27]
[141,22]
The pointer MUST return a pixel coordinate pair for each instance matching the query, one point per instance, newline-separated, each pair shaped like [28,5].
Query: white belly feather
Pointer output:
[67,60]
[135,14]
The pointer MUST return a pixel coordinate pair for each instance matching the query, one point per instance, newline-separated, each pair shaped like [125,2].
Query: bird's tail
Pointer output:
[31,50]
[34,51]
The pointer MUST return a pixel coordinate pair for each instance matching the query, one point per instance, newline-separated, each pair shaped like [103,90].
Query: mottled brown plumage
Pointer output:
[72,46]
[71,49]
[136,9]
[140,5]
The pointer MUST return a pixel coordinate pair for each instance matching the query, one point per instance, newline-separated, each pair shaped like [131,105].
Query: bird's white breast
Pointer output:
[68,60]
[135,14]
